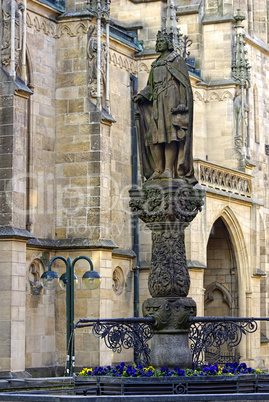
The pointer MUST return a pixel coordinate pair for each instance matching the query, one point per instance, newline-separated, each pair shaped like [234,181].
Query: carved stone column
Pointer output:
[167,207]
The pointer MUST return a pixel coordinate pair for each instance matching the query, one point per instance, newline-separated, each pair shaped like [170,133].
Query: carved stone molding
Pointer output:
[38,24]
[213,96]
[122,62]
[50,28]
[170,201]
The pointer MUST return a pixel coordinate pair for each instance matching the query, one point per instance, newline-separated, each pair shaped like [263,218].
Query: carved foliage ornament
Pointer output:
[156,203]
[169,274]
[167,206]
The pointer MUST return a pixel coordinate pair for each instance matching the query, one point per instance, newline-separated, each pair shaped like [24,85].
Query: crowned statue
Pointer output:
[164,116]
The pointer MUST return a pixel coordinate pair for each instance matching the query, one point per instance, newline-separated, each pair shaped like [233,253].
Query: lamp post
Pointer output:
[50,280]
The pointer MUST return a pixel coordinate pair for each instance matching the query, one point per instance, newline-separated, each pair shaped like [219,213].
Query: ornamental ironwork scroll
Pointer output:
[124,333]
[207,332]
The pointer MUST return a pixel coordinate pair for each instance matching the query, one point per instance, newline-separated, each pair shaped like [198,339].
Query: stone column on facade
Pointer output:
[167,206]
[12,312]
[83,169]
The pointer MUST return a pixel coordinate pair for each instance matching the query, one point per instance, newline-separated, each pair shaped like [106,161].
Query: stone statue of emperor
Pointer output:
[164,117]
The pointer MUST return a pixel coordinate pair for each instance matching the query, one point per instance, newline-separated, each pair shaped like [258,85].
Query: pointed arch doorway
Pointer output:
[221,284]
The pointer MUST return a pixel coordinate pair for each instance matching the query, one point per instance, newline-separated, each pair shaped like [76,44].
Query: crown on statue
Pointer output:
[167,37]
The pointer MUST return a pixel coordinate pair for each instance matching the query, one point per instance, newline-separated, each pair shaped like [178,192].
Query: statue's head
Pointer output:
[164,36]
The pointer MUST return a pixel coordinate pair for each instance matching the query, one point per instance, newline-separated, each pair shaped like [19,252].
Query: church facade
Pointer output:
[69,158]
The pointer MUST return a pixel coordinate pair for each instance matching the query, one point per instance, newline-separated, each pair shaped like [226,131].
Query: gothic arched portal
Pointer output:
[221,285]
[220,277]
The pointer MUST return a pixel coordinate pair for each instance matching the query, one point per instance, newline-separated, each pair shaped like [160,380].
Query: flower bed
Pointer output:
[138,380]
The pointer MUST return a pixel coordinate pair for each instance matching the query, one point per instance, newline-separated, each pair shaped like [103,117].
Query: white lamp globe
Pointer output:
[91,280]
[63,281]
[49,280]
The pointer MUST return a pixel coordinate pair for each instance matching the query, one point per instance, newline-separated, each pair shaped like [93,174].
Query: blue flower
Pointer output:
[243,366]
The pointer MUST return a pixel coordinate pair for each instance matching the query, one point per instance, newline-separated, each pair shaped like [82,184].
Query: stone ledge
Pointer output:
[126,25]
[107,117]
[254,200]
[9,232]
[143,1]
[14,86]
[193,8]
[216,19]
[259,273]
[195,264]
[46,371]
[12,375]
[217,83]
[124,253]
[256,41]
[76,14]
[190,264]
[72,243]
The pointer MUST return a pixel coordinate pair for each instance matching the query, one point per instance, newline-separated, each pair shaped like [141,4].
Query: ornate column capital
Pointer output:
[167,204]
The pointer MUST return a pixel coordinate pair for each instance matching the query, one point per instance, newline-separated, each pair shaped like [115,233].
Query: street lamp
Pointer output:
[50,280]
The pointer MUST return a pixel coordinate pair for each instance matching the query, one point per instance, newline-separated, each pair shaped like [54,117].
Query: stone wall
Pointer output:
[146,16]
[41,42]
[12,314]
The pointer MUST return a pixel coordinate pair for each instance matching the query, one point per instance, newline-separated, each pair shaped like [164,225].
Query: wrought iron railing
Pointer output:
[208,332]
[205,333]
[124,333]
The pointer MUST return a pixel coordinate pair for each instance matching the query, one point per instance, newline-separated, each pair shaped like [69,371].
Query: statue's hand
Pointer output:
[181,108]
[138,98]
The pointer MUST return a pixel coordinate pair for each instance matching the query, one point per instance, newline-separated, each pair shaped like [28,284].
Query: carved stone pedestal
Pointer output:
[171,350]
[167,207]
[170,346]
